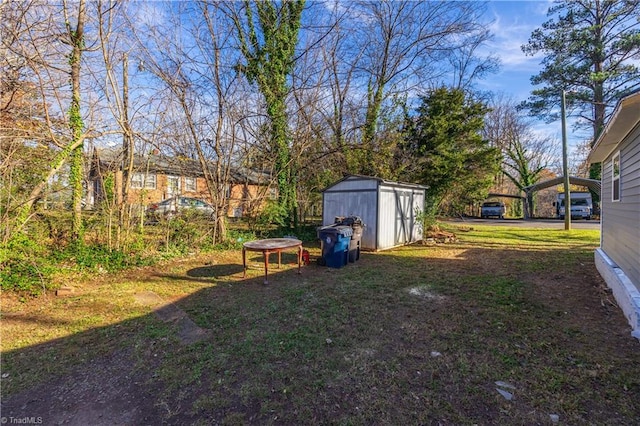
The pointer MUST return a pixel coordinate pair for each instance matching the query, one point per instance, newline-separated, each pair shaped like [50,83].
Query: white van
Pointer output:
[581,205]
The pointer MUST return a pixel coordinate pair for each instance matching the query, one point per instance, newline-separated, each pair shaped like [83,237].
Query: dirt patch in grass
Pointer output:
[416,335]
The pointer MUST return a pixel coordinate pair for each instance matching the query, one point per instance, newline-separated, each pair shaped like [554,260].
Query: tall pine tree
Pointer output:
[591,49]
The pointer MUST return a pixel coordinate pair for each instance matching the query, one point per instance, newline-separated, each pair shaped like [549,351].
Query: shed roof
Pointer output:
[379,181]
[624,119]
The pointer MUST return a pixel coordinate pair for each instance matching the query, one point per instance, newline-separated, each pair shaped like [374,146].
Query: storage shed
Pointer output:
[388,209]
[618,258]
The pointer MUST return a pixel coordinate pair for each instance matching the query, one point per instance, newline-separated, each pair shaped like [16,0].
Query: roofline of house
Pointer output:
[624,119]
[190,167]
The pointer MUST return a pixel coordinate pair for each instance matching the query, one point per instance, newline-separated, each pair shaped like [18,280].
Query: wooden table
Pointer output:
[268,246]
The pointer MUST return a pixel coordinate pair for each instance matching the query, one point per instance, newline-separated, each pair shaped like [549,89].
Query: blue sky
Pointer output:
[513,22]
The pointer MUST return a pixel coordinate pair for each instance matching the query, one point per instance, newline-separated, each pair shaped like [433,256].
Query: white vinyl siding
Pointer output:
[621,219]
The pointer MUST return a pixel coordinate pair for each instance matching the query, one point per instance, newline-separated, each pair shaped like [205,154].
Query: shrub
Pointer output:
[23,265]
[185,232]
[235,239]
[31,276]
[98,257]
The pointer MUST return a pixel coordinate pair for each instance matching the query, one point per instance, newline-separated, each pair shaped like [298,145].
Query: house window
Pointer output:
[273,193]
[190,184]
[150,181]
[142,180]
[615,178]
[173,186]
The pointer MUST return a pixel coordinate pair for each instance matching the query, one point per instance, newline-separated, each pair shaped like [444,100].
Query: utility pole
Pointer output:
[565,171]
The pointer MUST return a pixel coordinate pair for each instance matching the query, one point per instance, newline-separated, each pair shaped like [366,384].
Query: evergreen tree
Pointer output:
[589,47]
[447,150]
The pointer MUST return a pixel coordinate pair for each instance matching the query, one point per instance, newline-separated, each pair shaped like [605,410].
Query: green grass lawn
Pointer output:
[414,335]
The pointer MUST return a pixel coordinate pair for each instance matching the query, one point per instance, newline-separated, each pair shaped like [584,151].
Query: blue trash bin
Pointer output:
[355,222]
[334,242]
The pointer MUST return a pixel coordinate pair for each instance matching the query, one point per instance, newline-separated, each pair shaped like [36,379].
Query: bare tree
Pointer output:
[49,40]
[526,156]
[467,66]
[404,41]
[191,58]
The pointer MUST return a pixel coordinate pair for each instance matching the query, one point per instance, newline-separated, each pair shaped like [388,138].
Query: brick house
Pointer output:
[157,177]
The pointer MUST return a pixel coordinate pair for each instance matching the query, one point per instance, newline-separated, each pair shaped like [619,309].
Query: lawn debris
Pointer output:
[507,395]
[425,293]
[436,235]
[64,291]
[502,384]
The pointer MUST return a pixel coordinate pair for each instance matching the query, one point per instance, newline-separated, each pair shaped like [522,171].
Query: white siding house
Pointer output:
[618,258]
[388,209]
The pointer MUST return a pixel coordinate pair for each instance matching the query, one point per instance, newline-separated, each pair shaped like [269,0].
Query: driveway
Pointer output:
[529,223]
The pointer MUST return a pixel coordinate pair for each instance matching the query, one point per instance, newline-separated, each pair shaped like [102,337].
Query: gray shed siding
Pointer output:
[388,209]
[621,219]
[358,202]
[397,221]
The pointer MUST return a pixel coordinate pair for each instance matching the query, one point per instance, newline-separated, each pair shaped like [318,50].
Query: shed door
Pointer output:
[404,217]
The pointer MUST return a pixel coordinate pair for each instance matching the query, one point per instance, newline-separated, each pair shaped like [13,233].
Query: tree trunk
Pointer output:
[76,125]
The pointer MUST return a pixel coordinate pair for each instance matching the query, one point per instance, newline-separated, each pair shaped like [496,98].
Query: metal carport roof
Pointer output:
[592,184]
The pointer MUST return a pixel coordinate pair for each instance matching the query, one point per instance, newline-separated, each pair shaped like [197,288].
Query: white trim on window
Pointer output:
[615,177]
[137,180]
[140,180]
[150,181]
[190,184]
[173,185]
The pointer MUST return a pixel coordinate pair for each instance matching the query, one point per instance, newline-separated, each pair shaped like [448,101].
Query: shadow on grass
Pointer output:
[215,271]
[416,335]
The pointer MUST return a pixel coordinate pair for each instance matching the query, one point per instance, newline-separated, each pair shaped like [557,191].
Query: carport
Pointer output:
[592,184]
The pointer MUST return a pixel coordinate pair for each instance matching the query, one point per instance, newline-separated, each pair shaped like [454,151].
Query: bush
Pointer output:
[31,276]
[273,214]
[98,257]
[235,239]
[24,266]
[302,232]
[185,232]
[28,267]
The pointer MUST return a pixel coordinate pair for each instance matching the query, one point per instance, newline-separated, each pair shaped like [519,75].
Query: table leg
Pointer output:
[266,266]
[299,258]
[279,258]
[244,262]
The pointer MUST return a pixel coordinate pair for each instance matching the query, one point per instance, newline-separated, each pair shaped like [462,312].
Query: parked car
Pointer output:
[493,209]
[178,205]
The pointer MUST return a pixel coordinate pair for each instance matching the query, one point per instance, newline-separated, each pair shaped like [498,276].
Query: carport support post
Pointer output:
[565,171]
